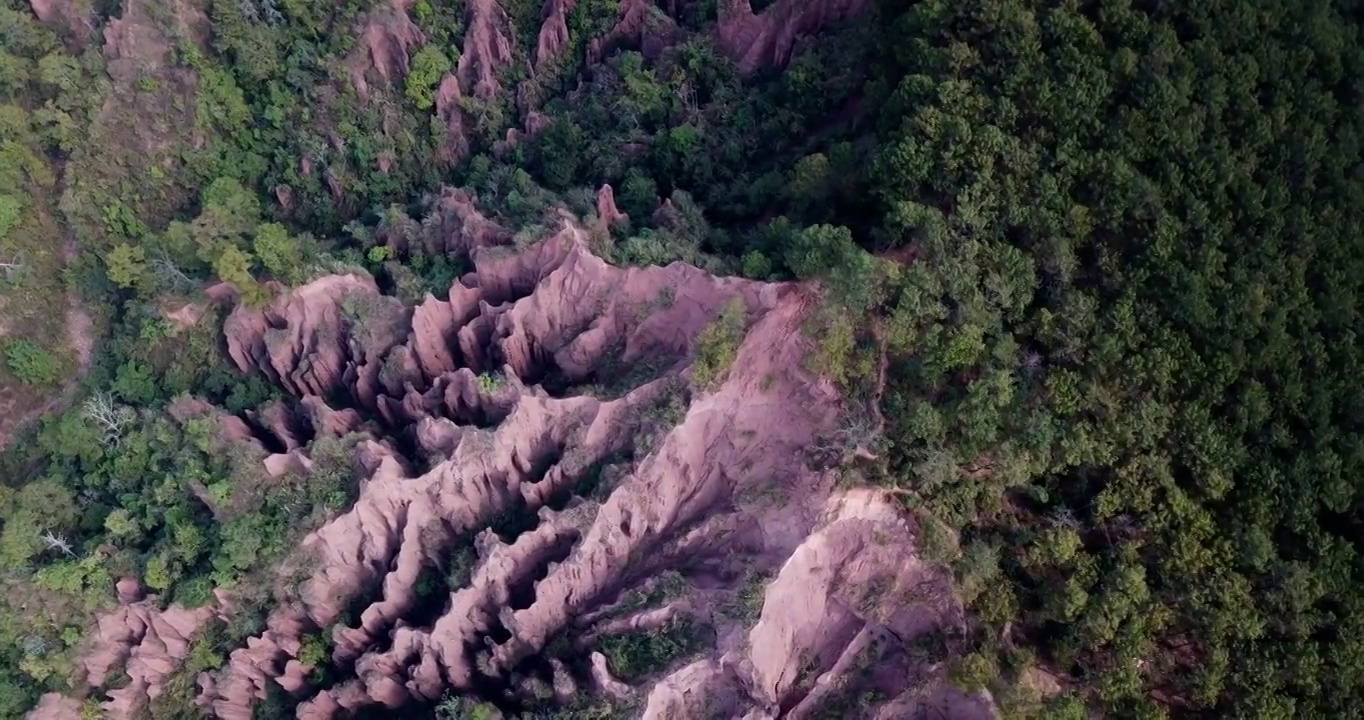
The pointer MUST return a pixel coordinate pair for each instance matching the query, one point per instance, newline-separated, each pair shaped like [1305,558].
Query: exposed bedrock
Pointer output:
[139,640]
[487,49]
[641,25]
[553,37]
[765,40]
[391,37]
[541,422]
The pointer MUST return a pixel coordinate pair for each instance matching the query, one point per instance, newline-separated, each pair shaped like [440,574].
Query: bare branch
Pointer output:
[57,542]
[112,418]
[14,266]
[165,268]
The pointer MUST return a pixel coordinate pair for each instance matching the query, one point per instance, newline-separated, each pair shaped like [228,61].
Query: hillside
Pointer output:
[610,358]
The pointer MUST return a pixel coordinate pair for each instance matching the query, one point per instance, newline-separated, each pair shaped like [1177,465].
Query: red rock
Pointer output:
[553,36]
[765,40]
[487,49]
[607,213]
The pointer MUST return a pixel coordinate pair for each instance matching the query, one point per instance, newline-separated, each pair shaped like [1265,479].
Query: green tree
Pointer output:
[229,216]
[428,66]
[126,266]
[31,363]
[280,253]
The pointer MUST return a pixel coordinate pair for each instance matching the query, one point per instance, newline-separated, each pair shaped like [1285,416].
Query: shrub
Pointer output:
[635,655]
[974,671]
[719,343]
[32,364]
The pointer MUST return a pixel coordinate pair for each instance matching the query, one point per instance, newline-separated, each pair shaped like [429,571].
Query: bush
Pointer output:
[636,655]
[32,364]
[719,343]
[974,671]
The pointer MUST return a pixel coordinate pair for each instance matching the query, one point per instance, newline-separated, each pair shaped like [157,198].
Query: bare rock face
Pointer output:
[55,706]
[607,213]
[148,643]
[134,42]
[702,689]
[297,341]
[845,606]
[487,49]
[391,36]
[765,40]
[550,435]
[74,15]
[553,36]
[462,228]
[456,144]
[640,25]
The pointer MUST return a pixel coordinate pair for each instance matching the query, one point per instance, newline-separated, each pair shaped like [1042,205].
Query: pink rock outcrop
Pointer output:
[391,37]
[297,341]
[74,15]
[765,40]
[640,24]
[487,49]
[55,706]
[607,213]
[553,38]
[448,94]
[146,642]
[846,605]
[550,431]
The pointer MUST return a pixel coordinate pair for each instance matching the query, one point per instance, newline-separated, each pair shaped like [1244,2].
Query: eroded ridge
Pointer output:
[544,420]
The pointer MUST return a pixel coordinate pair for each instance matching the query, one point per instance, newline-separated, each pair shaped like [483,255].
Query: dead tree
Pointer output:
[58,542]
[13,267]
[111,417]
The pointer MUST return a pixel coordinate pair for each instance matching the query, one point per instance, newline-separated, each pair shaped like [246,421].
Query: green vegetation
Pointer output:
[747,605]
[636,655]
[719,343]
[1120,279]
[31,363]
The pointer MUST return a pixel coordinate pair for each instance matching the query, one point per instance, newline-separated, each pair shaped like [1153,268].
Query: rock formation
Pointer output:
[55,706]
[448,94]
[146,643]
[640,24]
[765,40]
[73,15]
[539,422]
[390,37]
[487,49]
[607,212]
[553,36]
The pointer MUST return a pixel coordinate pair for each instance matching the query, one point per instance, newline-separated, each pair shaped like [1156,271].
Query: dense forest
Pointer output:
[1108,253]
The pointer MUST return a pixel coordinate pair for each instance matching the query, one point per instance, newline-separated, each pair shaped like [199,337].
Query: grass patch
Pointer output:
[747,604]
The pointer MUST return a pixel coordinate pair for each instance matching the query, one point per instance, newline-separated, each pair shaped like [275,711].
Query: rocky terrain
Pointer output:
[547,415]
